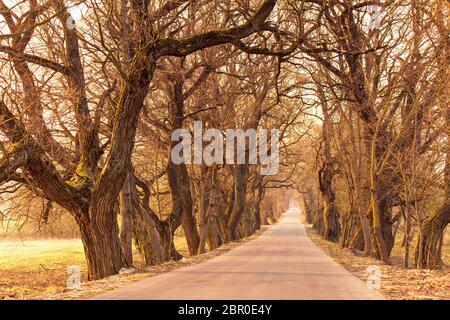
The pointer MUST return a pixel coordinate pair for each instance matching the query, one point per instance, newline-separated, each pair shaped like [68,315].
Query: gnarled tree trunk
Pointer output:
[126,234]
[179,181]
[102,247]
[238,203]
[428,249]
[331,224]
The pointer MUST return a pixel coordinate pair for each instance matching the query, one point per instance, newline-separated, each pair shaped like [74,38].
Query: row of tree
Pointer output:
[384,154]
[89,106]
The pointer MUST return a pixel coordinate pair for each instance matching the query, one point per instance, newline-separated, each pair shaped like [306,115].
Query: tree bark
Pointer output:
[428,250]
[215,237]
[239,201]
[179,181]
[331,215]
[182,211]
[258,199]
[126,234]
[146,226]
[102,247]
[206,202]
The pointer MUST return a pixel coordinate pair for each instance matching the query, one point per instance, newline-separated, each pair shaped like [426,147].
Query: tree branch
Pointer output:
[184,47]
[35,59]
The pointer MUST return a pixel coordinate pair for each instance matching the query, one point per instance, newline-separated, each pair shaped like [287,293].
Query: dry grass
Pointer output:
[396,282]
[37,269]
[32,268]
[398,252]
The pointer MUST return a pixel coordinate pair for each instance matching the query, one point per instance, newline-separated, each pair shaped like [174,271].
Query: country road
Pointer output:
[282,263]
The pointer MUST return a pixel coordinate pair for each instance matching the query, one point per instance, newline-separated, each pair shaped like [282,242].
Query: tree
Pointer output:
[91,192]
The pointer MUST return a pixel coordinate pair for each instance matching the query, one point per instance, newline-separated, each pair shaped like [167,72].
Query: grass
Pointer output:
[396,281]
[39,267]
[398,252]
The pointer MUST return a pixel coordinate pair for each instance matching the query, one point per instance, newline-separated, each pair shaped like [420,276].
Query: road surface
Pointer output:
[282,264]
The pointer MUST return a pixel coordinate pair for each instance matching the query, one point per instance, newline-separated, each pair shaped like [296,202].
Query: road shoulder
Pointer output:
[92,288]
[396,283]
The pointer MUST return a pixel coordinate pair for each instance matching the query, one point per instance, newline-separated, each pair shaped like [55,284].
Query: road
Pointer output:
[282,264]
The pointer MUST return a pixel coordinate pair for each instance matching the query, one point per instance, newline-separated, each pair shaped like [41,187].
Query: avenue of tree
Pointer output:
[88,107]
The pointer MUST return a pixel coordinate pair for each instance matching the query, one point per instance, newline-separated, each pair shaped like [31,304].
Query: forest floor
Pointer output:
[37,269]
[396,282]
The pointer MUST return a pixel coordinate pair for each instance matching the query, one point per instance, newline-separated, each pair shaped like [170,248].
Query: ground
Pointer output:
[31,268]
[37,269]
[281,264]
[396,282]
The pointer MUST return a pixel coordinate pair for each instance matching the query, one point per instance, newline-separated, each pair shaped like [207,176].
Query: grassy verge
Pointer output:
[32,268]
[37,269]
[396,282]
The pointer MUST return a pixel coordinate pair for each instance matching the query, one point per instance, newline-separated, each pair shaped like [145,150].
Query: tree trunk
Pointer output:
[182,211]
[308,203]
[383,252]
[203,232]
[257,214]
[239,201]
[178,176]
[318,224]
[170,252]
[428,253]
[247,223]
[428,249]
[126,233]
[206,202]
[215,237]
[191,231]
[331,216]
[407,235]
[332,228]
[203,215]
[147,230]
[357,241]
[106,256]
[101,247]
[258,199]
[381,184]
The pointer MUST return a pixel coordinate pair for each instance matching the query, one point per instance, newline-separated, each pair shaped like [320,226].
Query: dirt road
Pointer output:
[282,263]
